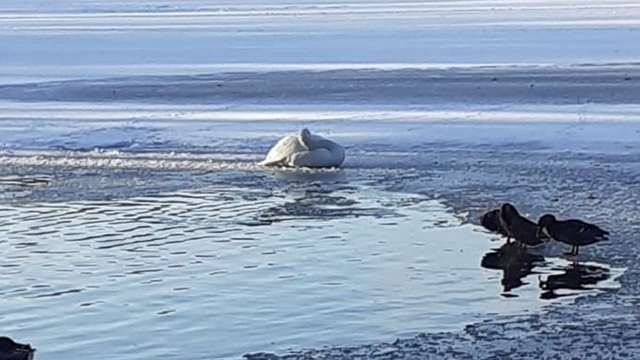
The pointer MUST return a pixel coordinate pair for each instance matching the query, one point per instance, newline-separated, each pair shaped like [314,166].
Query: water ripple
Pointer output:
[330,259]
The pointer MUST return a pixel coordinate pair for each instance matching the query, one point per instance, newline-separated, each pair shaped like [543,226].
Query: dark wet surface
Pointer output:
[484,85]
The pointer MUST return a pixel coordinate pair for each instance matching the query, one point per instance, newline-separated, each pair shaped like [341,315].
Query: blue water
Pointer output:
[258,261]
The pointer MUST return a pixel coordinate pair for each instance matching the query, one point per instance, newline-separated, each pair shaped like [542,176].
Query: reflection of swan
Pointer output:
[305,150]
[313,201]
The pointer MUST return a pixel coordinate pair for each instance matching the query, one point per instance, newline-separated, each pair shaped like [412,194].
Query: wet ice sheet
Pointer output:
[207,145]
[225,270]
[411,86]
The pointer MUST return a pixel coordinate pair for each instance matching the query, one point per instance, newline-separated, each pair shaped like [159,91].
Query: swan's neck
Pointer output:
[307,140]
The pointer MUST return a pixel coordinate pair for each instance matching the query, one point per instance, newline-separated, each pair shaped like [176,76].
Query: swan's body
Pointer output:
[305,150]
[282,150]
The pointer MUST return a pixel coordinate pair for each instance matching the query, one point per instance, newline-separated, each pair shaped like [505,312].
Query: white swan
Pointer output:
[305,150]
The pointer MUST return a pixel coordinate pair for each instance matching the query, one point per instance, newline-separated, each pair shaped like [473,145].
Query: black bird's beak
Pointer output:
[540,234]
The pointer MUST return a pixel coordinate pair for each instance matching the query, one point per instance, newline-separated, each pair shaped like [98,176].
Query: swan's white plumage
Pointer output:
[305,150]
[282,150]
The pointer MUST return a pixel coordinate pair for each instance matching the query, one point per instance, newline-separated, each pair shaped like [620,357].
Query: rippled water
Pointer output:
[223,270]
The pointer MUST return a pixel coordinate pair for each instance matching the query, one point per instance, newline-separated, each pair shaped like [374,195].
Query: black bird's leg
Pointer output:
[572,252]
[576,252]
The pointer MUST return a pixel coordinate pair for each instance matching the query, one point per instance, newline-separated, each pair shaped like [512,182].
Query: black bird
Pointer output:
[572,232]
[11,350]
[525,231]
[491,221]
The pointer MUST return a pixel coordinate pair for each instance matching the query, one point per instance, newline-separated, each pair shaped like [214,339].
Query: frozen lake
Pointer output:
[97,38]
[137,225]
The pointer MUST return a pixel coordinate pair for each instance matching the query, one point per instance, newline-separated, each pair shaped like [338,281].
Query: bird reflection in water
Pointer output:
[514,261]
[11,350]
[574,277]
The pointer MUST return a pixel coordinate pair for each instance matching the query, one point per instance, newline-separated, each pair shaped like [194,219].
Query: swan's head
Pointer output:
[304,133]
[304,136]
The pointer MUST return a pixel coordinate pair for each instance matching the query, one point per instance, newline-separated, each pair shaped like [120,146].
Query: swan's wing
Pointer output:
[318,142]
[322,153]
[317,158]
[282,151]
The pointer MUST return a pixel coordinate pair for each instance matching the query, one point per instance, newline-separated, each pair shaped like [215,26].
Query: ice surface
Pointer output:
[99,38]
